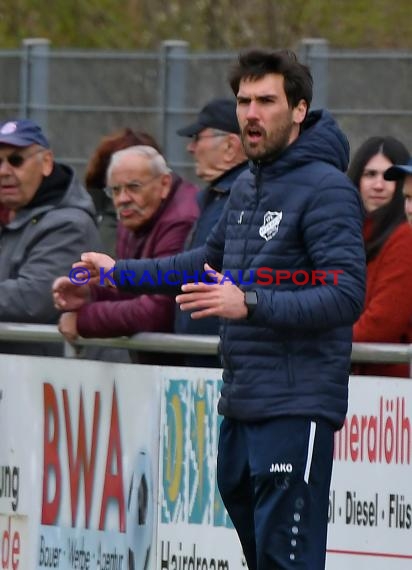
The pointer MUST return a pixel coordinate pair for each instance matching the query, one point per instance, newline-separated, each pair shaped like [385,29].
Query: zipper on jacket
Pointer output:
[258,176]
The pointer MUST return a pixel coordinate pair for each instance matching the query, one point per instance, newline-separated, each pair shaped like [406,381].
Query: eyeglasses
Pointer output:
[17,160]
[131,188]
[197,137]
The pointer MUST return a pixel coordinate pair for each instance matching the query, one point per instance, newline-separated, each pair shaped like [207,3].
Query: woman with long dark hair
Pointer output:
[387,315]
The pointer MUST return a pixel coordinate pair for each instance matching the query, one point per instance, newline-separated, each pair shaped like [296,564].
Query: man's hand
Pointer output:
[97,264]
[224,300]
[68,326]
[69,297]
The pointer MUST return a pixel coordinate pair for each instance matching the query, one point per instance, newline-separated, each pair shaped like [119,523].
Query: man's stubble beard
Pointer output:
[271,149]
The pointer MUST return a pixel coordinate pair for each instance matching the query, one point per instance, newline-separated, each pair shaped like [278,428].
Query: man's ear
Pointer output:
[300,112]
[234,148]
[231,142]
[227,141]
[47,162]
[166,182]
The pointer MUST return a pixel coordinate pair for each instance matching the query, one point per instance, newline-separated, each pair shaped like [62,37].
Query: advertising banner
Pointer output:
[113,467]
[370,506]
[78,464]
[194,529]
[370,512]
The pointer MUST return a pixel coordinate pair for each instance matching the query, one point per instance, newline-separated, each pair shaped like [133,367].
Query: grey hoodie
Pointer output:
[41,243]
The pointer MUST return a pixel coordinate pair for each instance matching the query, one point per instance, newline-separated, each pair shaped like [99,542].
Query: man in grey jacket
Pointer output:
[51,221]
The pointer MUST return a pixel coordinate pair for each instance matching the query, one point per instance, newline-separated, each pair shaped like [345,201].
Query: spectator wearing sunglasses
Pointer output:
[156,210]
[51,220]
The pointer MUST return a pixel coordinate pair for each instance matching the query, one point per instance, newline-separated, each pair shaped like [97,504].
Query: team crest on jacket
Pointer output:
[270,226]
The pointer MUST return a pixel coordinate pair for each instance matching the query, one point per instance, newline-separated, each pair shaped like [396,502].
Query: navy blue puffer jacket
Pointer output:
[298,213]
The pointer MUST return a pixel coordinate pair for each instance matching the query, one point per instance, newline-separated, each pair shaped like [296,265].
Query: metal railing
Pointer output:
[182,344]
[149,342]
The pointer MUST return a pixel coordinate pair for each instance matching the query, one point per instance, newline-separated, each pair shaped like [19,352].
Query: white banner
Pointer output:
[84,483]
[370,507]
[78,464]
[370,511]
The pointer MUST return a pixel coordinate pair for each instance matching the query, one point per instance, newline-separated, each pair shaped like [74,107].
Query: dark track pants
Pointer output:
[274,478]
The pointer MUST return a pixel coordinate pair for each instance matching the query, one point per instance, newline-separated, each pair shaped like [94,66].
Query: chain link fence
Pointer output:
[78,96]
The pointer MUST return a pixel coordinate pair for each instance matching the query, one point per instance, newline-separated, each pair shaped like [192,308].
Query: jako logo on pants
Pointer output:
[281,468]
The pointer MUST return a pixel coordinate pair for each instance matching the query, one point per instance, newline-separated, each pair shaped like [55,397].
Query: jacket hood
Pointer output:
[62,189]
[320,140]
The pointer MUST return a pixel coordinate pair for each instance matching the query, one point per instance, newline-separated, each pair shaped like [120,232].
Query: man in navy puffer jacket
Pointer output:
[289,259]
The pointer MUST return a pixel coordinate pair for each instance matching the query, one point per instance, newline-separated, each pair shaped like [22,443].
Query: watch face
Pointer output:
[250,302]
[251,299]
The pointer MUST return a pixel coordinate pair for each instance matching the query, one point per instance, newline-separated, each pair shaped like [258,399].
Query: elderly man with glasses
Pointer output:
[50,220]
[156,210]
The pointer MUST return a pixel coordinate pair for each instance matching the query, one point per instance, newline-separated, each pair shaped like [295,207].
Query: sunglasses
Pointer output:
[17,160]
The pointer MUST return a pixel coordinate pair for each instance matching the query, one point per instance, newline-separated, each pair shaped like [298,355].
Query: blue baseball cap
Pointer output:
[398,171]
[22,132]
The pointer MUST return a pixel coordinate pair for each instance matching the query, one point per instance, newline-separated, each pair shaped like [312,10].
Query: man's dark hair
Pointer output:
[256,63]
[386,218]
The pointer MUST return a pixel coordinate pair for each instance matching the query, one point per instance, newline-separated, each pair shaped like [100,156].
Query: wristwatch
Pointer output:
[250,302]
